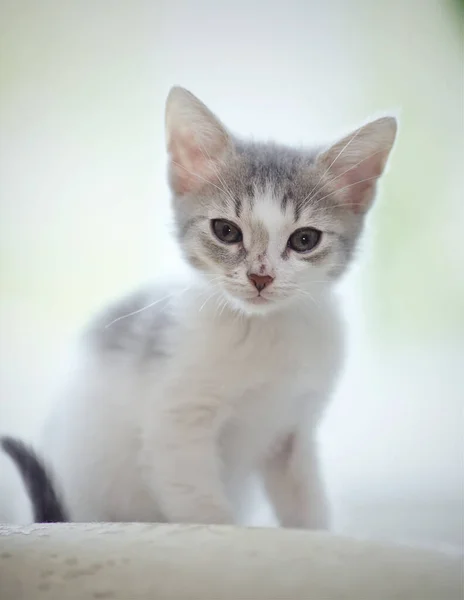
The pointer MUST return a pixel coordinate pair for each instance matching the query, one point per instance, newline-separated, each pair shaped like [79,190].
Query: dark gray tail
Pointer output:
[46,505]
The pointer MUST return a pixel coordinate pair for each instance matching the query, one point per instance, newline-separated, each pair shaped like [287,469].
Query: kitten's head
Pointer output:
[267,223]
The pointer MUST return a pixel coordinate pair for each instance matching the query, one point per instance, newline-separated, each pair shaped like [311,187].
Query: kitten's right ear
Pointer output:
[355,163]
[197,142]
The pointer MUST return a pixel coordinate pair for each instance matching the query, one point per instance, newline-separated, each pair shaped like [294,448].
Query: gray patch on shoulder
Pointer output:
[136,325]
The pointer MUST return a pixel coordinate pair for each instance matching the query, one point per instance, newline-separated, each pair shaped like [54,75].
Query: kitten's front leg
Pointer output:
[186,468]
[294,485]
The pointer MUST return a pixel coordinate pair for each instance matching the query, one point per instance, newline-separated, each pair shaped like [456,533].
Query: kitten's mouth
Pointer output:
[258,300]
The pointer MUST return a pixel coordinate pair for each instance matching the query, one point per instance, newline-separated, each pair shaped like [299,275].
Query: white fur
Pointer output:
[148,442]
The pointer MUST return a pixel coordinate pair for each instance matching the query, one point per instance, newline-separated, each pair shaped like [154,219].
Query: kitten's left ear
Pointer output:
[197,142]
[354,164]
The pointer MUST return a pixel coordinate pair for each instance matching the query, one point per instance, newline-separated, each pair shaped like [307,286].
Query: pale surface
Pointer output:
[173,562]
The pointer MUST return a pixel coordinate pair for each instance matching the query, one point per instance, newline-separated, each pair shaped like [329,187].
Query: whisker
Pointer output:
[219,302]
[223,304]
[311,196]
[214,279]
[346,187]
[227,190]
[305,293]
[199,176]
[332,164]
[323,210]
[214,293]
[317,210]
[139,310]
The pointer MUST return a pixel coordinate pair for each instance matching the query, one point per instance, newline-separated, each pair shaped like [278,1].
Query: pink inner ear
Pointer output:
[356,182]
[191,167]
[188,164]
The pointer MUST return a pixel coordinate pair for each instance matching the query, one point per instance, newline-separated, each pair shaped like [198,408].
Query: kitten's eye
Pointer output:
[226,231]
[304,240]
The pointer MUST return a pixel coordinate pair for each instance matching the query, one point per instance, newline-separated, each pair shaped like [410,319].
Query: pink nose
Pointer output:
[260,281]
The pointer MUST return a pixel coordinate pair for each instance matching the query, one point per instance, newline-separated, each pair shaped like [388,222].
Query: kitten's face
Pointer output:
[259,224]
[268,224]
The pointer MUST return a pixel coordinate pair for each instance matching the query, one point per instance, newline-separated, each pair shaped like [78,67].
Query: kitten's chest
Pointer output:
[264,373]
[257,423]
[254,358]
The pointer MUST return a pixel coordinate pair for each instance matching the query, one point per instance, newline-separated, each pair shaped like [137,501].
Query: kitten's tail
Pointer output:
[46,505]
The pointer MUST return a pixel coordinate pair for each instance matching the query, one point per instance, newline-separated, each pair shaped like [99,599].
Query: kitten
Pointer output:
[47,507]
[184,393]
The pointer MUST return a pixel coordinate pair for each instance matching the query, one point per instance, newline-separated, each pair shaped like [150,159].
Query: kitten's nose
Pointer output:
[260,281]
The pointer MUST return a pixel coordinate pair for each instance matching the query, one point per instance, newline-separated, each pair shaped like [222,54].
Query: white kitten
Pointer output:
[179,403]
